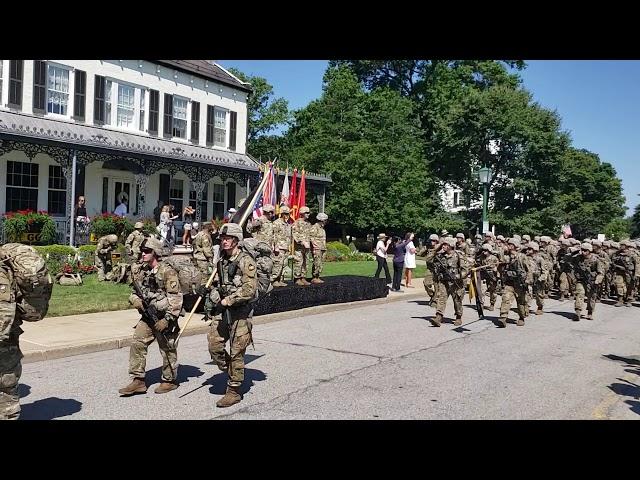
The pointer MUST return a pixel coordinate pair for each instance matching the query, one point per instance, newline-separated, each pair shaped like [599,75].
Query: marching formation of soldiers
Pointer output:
[523,270]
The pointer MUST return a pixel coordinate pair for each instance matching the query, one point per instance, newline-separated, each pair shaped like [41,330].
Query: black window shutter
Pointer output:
[209,125]
[164,188]
[99,98]
[168,115]
[15,83]
[195,121]
[233,121]
[80,94]
[231,195]
[154,111]
[39,85]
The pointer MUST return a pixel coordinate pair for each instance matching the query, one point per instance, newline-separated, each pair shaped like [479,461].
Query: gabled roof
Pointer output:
[208,70]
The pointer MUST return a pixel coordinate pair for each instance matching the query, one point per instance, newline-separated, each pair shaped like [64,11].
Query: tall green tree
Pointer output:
[370,144]
[635,222]
[266,113]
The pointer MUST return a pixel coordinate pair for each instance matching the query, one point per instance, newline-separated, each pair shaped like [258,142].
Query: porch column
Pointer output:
[199,189]
[141,183]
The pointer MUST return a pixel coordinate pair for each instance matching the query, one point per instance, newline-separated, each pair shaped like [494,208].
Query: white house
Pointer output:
[170,130]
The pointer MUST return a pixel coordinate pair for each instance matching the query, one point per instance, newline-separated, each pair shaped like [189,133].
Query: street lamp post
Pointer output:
[484,175]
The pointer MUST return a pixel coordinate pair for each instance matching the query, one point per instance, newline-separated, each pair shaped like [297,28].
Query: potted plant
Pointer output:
[27,226]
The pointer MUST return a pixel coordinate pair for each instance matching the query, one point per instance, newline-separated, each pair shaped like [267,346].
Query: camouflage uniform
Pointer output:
[301,246]
[282,243]
[490,273]
[589,272]
[318,238]
[238,285]
[203,253]
[624,263]
[540,267]
[429,277]
[102,258]
[160,286]
[517,275]
[451,269]
[133,242]
[567,280]
[10,354]
[261,229]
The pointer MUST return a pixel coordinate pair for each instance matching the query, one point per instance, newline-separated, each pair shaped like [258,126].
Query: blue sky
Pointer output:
[598,101]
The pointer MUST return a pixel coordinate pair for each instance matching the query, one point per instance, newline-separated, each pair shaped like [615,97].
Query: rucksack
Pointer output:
[261,252]
[32,278]
[189,275]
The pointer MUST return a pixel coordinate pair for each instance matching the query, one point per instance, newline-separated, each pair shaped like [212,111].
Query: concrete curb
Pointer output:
[121,342]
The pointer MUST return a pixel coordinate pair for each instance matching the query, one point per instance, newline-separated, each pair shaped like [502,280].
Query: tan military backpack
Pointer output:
[32,277]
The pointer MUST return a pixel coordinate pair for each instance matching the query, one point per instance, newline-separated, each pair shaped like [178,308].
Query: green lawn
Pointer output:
[94,296]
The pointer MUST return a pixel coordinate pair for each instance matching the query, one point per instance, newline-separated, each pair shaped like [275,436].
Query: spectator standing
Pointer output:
[409,260]
[399,249]
[381,256]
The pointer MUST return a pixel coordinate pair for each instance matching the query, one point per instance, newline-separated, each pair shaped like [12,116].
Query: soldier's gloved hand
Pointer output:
[203,291]
[162,325]
[306,244]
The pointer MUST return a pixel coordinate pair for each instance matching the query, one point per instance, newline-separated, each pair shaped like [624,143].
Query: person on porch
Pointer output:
[121,209]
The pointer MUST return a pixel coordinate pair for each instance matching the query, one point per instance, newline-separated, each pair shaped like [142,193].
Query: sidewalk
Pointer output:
[59,337]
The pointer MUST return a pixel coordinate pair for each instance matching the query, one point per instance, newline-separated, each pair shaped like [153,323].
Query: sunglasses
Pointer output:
[146,250]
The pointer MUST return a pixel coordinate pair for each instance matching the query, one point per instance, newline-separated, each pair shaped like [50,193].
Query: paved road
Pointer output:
[376,362]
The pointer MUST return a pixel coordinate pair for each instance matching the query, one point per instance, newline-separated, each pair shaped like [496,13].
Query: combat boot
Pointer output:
[305,281]
[491,307]
[627,304]
[231,397]
[539,311]
[589,316]
[578,316]
[279,284]
[618,303]
[137,385]
[503,322]
[316,280]
[165,387]
[520,322]
[458,321]
[300,282]
[437,320]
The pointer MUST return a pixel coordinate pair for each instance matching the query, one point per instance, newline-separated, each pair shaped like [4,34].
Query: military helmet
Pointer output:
[323,217]
[444,232]
[434,236]
[526,237]
[488,247]
[232,230]
[615,245]
[514,241]
[154,244]
[450,241]
[545,239]
[478,235]
[606,243]
[536,238]
[304,210]
[138,225]
[268,208]
[596,243]
[460,235]
[587,246]
[500,237]
[565,242]
[488,234]
[534,246]
[517,236]
[112,238]
[284,209]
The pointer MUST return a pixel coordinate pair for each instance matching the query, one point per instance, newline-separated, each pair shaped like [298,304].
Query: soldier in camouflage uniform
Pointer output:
[261,228]
[318,239]
[10,354]
[237,291]
[462,246]
[540,268]
[301,246]
[589,273]
[204,253]
[429,277]
[624,264]
[636,277]
[549,252]
[451,269]
[489,273]
[565,267]
[282,243]
[102,259]
[133,242]
[604,259]
[516,275]
[161,288]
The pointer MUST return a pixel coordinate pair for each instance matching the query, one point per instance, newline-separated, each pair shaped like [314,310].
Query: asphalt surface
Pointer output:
[375,362]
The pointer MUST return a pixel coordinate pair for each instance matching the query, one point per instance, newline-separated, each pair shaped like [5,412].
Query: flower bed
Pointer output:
[27,226]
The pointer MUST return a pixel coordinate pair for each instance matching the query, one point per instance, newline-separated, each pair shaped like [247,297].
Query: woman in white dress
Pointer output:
[409,260]
[165,220]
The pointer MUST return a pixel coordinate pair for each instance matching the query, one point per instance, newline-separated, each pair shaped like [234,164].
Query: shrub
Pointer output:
[55,256]
[86,255]
[107,224]
[27,221]
[338,248]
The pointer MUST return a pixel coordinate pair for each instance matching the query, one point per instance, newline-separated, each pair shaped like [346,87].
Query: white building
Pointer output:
[170,130]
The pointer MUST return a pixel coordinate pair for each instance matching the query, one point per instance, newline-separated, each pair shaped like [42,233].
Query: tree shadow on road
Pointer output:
[630,361]
[626,388]
[185,372]
[50,408]
[569,315]
[424,303]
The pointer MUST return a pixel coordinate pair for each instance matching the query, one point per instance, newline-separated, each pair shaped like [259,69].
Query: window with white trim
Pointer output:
[179,117]
[127,102]
[22,186]
[57,196]
[220,128]
[176,189]
[218,201]
[57,90]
